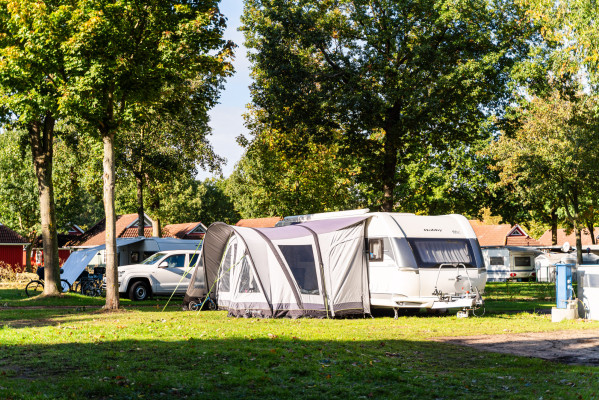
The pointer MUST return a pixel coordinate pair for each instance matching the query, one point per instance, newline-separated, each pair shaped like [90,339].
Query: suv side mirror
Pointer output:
[163,264]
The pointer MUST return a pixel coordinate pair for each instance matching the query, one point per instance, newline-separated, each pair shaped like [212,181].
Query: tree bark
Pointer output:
[390,160]
[140,207]
[156,227]
[591,229]
[28,257]
[553,227]
[41,135]
[578,245]
[112,289]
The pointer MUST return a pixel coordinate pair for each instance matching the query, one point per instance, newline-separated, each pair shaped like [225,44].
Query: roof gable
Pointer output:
[8,236]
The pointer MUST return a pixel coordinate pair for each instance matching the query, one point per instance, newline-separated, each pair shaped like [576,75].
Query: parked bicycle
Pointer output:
[91,284]
[206,304]
[36,286]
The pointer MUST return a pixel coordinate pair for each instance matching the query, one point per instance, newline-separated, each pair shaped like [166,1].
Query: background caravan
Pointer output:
[416,261]
[393,261]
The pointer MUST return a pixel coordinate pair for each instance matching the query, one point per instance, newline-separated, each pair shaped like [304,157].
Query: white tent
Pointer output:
[316,268]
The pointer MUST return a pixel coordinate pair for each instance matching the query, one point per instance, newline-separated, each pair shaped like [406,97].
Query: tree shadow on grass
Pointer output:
[278,368]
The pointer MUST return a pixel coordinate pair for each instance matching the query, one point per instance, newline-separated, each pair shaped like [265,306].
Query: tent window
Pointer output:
[300,259]
[496,261]
[247,280]
[225,271]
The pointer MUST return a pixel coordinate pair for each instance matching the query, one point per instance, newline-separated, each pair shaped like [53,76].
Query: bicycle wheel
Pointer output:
[34,288]
[90,289]
[65,285]
[76,287]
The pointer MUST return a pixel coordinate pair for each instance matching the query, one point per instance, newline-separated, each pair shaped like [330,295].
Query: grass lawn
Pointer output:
[142,352]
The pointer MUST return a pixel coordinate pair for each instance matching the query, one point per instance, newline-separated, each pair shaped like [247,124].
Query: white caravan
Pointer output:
[432,262]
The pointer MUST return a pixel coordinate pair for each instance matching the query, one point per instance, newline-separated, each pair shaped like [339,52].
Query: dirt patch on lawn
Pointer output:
[577,347]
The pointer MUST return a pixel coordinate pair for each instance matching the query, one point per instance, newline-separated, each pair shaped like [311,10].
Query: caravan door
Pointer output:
[392,277]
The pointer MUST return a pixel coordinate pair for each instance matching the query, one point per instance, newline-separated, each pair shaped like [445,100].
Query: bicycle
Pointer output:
[36,286]
[207,303]
[92,284]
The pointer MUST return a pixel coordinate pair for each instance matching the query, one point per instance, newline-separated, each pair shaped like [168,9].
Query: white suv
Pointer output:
[163,273]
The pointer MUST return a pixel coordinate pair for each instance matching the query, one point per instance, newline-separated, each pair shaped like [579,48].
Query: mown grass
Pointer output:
[144,353]
[519,296]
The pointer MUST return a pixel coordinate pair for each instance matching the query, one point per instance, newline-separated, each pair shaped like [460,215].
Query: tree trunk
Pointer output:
[591,228]
[140,207]
[553,227]
[578,245]
[390,160]
[112,289]
[156,227]
[28,257]
[41,135]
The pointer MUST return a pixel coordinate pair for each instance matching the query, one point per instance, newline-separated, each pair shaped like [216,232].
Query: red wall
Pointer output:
[12,255]
[63,254]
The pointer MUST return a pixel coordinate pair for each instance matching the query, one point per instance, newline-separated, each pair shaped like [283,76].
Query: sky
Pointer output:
[226,119]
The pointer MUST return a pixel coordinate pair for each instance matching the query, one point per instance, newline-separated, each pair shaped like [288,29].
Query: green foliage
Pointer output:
[551,159]
[216,206]
[74,176]
[573,24]
[19,203]
[398,81]
[271,181]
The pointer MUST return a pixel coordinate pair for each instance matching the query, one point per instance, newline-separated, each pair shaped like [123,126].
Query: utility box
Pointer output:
[563,285]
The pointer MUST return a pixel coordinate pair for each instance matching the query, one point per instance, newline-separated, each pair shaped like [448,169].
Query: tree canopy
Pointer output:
[552,158]
[397,80]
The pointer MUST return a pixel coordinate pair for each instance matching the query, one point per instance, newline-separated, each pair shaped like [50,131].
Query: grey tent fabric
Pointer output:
[316,268]
[77,262]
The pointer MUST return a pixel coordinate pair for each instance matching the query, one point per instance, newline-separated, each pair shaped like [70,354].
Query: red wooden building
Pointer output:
[11,248]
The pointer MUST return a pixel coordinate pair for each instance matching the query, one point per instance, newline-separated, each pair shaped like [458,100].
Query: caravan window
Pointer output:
[375,250]
[300,259]
[496,260]
[431,253]
[522,261]
[247,280]
[379,248]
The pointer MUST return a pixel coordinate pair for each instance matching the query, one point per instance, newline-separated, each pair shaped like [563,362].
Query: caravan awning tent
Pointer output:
[316,268]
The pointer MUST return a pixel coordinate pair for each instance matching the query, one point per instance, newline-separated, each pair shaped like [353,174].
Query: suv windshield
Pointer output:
[153,259]
[431,253]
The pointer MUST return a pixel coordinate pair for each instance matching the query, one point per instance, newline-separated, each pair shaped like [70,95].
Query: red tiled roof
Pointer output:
[563,236]
[96,235]
[132,232]
[259,222]
[497,235]
[7,236]
[180,231]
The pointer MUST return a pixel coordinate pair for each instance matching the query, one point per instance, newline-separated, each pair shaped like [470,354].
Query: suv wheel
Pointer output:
[139,291]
